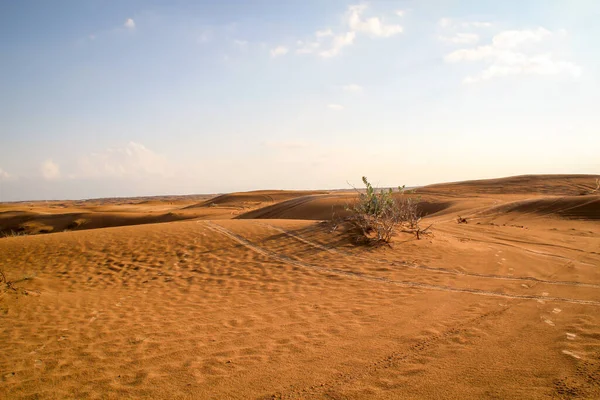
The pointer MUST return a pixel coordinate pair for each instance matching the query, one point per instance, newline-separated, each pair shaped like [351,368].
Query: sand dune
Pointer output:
[504,306]
[526,184]
[573,207]
[32,218]
[323,207]
[254,198]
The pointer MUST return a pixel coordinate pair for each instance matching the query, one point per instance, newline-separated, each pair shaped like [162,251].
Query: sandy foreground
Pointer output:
[251,296]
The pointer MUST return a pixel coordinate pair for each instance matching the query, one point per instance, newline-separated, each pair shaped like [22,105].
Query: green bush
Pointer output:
[377,214]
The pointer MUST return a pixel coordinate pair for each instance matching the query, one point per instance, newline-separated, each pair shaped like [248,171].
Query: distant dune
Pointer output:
[572,207]
[525,184]
[246,199]
[324,207]
[457,197]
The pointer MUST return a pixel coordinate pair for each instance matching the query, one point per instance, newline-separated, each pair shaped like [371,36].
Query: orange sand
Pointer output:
[505,306]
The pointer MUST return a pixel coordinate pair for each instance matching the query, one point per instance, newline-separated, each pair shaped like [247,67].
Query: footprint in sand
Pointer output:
[545,294]
[571,336]
[93,319]
[569,353]
[549,322]
[38,364]
[556,310]
[524,285]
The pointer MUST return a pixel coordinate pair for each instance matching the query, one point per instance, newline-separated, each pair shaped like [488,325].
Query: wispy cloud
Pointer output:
[204,37]
[449,23]
[400,13]
[307,47]
[353,88]
[131,160]
[324,33]
[371,26]
[279,51]
[5,176]
[513,52]
[327,43]
[338,43]
[335,107]
[461,38]
[50,170]
[129,23]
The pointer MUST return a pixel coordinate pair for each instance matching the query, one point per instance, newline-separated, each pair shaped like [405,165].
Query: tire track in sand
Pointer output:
[431,269]
[407,284]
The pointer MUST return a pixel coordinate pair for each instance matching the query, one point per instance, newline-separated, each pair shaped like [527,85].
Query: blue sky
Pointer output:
[125,98]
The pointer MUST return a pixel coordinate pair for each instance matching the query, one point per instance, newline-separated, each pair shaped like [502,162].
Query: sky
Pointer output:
[104,98]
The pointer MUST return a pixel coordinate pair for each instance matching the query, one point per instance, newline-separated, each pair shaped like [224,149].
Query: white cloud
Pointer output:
[324,33]
[514,38]
[279,51]
[50,170]
[536,65]
[204,37]
[445,22]
[240,44]
[132,160]
[448,23]
[477,24]
[461,38]
[400,13]
[336,107]
[338,43]
[129,23]
[307,47]
[371,26]
[513,53]
[352,88]
[327,43]
[5,176]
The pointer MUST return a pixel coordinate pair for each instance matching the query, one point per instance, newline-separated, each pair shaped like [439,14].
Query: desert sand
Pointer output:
[253,296]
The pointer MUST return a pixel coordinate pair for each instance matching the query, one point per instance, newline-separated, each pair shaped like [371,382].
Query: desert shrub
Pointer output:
[377,215]
[12,233]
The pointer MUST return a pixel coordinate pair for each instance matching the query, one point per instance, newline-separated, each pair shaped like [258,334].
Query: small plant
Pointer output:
[12,233]
[6,285]
[3,281]
[595,190]
[377,215]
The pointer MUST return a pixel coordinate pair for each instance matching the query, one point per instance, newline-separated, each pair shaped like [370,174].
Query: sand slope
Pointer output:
[524,184]
[253,198]
[324,207]
[505,306]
